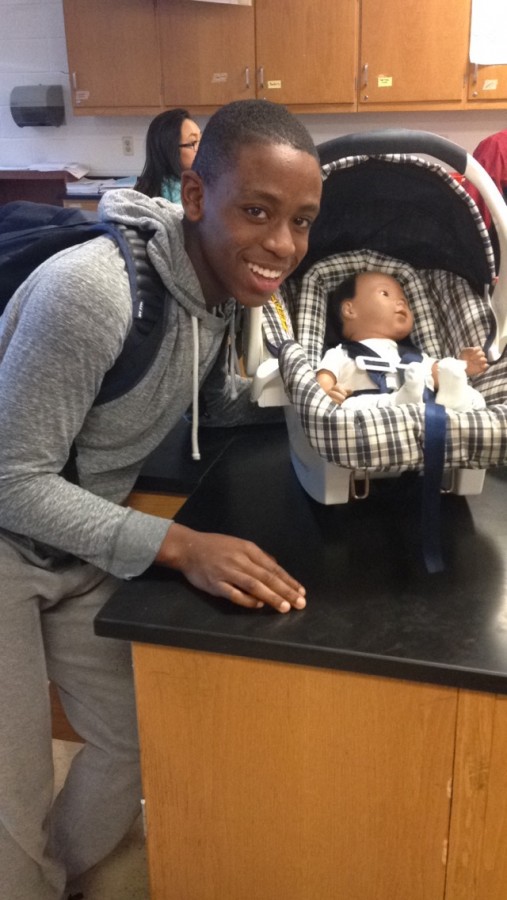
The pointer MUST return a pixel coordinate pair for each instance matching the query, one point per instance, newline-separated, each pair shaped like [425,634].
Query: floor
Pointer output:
[123,874]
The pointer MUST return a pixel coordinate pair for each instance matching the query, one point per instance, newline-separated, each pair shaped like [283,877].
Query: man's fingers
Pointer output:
[272,586]
[230,567]
[240,598]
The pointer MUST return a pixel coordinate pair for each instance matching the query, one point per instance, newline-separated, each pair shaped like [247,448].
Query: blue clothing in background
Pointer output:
[171,189]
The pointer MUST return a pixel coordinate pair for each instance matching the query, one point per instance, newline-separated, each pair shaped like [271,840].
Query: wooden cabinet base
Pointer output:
[268,780]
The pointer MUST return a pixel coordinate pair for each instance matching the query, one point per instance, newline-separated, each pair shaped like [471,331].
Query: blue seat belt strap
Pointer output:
[435,422]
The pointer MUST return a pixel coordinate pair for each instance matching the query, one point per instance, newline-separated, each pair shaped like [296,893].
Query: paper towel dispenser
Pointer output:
[37,104]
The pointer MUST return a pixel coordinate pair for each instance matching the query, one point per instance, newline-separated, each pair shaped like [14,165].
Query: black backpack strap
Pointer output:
[21,252]
[30,233]
[149,318]
[149,315]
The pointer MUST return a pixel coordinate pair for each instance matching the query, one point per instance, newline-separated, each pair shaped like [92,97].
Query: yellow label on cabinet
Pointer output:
[219,77]
[490,84]
[274,85]
[384,81]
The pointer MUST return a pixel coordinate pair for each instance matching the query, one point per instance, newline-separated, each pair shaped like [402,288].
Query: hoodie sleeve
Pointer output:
[59,335]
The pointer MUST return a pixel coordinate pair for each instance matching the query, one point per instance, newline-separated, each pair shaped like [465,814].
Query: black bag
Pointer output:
[32,232]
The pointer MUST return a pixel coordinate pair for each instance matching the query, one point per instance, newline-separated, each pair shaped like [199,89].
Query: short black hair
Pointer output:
[162,151]
[346,290]
[247,122]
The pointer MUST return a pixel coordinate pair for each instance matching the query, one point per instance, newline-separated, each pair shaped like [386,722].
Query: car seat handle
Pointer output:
[394,140]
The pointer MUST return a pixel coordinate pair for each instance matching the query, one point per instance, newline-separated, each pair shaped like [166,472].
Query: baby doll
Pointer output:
[371,308]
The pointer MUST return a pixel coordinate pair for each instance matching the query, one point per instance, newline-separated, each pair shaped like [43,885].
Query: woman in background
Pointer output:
[171,144]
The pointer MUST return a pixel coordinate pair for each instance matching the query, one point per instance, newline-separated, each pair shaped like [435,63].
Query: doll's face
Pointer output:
[379,309]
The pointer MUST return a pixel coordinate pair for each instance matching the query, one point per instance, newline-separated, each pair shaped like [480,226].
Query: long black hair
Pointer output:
[162,151]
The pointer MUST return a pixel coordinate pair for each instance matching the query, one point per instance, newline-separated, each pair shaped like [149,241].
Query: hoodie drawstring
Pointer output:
[233,359]
[233,366]
[195,389]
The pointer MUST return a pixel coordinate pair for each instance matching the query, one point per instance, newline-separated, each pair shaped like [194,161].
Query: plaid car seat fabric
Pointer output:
[448,315]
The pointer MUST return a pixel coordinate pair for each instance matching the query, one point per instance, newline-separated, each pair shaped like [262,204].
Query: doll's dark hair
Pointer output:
[247,122]
[162,151]
[346,290]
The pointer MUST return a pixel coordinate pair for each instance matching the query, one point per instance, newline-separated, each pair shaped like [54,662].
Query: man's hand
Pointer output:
[475,359]
[230,567]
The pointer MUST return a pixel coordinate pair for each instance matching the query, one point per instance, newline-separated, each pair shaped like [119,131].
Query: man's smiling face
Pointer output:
[251,226]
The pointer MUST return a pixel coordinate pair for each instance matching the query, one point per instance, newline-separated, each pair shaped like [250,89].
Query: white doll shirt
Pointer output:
[337,361]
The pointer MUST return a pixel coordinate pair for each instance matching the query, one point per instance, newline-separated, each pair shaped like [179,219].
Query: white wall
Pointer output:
[32,51]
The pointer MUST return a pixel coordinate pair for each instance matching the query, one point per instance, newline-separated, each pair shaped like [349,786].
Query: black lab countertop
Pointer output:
[372,607]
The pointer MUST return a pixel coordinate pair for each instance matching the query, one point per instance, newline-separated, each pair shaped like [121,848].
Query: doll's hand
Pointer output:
[339,393]
[475,359]
[329,384]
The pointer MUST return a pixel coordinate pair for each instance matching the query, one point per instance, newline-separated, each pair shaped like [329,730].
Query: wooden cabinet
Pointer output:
[208,53]
[487,86]
[270,50]
[142,56]
[268,780]
[164,505]
[308,783]
[306,52]
[477,866]
[413,54]
[114,58]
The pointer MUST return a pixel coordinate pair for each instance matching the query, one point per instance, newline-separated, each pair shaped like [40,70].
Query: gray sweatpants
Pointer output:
[46,631]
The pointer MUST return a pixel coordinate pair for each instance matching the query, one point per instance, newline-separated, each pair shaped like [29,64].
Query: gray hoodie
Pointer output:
[60,333]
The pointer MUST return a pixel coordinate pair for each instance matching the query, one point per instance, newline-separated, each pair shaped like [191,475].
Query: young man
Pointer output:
[248,202]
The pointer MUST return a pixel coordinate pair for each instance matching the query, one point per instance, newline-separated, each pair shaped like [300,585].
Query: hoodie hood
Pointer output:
[166,249]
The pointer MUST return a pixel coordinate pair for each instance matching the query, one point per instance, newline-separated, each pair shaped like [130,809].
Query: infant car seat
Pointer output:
[387,207]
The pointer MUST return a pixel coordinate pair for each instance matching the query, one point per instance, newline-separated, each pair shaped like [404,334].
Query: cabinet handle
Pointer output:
[261,77]
[247,78]
[74,80]
[365,76]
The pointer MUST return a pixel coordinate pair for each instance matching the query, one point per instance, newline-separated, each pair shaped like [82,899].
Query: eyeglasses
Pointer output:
[191,145]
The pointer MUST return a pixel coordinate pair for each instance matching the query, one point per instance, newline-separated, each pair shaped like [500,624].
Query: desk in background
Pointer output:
[44,187]
[38,187]
[90,203]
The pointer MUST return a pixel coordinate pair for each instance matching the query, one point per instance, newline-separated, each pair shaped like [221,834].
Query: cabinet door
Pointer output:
[271,780]
[113,55]
[477,867]
[208,53]
[413,52]
[487,84]
[306,52]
